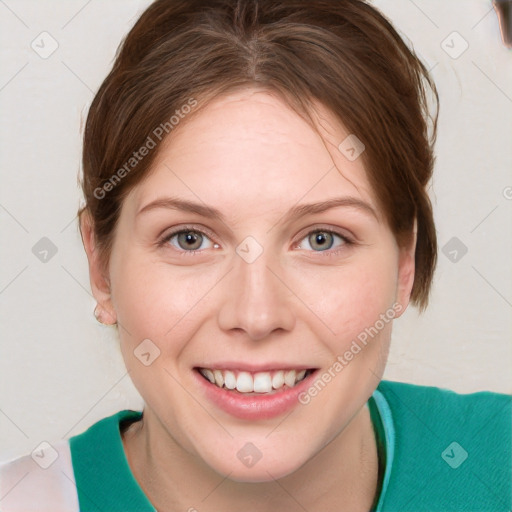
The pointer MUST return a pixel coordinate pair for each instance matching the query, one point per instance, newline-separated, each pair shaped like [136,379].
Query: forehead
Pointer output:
[249,152]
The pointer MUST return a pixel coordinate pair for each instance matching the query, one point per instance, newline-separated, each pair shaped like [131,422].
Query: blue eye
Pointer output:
[188,241]
[321,240]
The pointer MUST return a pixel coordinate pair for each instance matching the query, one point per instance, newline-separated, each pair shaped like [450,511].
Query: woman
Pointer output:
[255,218]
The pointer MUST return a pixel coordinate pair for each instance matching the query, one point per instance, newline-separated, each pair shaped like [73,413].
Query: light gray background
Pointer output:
[61,371]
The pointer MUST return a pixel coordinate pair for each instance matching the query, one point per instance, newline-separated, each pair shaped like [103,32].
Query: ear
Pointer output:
[98,277]
[406,272]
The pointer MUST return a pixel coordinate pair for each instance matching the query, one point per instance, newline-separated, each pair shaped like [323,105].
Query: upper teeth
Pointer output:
[260,382]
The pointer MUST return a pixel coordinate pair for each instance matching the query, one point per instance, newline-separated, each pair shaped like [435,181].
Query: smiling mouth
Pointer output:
[254,382]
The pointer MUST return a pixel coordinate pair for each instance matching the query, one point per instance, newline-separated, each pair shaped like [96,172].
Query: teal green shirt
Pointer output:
[439,451]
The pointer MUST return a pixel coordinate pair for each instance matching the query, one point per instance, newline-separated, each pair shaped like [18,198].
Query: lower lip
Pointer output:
[254,407]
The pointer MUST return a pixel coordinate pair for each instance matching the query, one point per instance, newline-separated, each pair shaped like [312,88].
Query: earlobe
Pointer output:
[406,272]
[103,316]
[100,284]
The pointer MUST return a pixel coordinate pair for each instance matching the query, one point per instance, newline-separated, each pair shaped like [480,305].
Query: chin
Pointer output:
[279,466]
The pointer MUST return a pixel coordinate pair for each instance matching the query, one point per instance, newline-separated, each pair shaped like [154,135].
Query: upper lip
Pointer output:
[254,367]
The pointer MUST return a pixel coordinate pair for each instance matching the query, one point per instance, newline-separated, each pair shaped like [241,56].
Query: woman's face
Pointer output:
[250,292]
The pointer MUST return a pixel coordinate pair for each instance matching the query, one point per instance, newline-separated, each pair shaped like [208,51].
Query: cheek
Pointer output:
[351,298]
[145,303]
[156,301]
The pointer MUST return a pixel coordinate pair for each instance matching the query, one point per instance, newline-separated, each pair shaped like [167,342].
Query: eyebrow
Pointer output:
[297,211]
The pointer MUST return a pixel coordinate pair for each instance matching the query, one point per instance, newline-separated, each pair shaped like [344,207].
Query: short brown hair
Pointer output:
[341,53]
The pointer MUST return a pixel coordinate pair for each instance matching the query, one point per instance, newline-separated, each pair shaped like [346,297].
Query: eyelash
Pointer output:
[327,253]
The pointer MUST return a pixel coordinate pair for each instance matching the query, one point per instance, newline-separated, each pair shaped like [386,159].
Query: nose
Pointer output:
[257,300]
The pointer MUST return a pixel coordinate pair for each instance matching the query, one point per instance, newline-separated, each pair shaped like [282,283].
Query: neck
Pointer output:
[342,476]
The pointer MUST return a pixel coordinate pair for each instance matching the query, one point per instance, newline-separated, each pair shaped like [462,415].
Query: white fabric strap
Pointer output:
[40,482]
